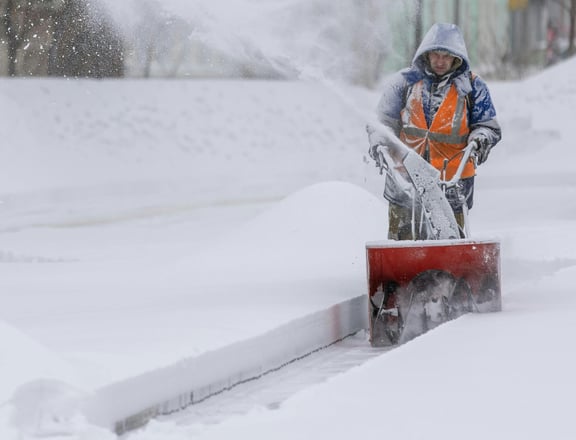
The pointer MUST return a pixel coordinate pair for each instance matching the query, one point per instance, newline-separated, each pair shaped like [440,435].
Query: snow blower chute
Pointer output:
[413,286]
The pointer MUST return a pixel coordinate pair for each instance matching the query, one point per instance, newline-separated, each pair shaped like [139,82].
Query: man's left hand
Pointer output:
[482,148]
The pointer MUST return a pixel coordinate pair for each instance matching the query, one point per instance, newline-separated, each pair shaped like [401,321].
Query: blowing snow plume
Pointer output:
[250,38]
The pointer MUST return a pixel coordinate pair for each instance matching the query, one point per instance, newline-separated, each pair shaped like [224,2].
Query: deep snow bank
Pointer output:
[286,283]
[316,232]
[103,132]
[23,359]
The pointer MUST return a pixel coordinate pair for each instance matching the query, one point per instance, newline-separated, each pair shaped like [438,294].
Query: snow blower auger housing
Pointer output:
[413,286]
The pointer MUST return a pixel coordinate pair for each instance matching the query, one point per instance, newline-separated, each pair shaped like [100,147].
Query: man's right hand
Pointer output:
[373,152]
[376,137]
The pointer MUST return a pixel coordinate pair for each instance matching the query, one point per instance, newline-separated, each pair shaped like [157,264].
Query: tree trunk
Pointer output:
[571,50]
[12,37]
[418,25]
[457,12]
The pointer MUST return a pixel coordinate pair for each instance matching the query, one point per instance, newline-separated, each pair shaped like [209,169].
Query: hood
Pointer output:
[442,36]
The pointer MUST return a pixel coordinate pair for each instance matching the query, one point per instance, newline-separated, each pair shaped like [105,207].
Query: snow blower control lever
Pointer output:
[468,152]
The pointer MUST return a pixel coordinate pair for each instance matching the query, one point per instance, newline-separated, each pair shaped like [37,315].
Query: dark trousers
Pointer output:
[403,224]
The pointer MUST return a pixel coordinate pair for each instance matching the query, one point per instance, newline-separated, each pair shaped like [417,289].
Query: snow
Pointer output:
[145,224]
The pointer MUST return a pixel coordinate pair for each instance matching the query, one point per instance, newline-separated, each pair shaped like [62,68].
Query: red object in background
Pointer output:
[415,285]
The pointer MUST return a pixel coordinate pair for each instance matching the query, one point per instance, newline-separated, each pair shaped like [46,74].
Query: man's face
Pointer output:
[440,62]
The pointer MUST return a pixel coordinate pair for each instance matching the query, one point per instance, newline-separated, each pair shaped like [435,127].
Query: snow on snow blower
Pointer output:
[414,286]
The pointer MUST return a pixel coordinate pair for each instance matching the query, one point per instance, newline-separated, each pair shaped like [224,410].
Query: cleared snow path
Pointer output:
[271,389]
[131,403]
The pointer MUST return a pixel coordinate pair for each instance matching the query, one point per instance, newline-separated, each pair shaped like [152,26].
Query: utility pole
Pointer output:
[571,50]
[418,24]
[457,12]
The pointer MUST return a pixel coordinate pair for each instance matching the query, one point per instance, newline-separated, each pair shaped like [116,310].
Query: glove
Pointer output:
[373,152]
[376,138]
[482,149]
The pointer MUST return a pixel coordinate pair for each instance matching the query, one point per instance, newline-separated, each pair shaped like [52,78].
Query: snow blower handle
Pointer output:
[468,150]
[380,159]
[377,141]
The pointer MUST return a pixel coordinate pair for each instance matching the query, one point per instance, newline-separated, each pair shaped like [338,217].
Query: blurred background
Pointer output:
[355,41]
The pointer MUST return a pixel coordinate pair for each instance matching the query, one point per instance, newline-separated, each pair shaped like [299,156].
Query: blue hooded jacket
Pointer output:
[446,37]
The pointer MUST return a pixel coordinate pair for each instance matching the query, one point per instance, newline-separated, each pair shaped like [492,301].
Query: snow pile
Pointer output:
[318,222]
[23,359]
[46,406]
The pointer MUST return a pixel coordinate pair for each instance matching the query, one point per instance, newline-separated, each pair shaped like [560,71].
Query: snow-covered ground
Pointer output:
[144,223]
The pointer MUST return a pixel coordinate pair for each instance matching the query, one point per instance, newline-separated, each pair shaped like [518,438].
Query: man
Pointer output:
[436,107]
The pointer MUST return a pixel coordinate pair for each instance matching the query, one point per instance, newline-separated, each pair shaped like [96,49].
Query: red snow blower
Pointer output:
[414,286]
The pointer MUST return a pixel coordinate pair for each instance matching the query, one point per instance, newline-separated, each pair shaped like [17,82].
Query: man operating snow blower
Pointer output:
[443,112]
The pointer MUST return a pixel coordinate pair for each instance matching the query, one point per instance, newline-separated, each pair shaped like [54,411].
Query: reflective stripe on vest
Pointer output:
[446,136]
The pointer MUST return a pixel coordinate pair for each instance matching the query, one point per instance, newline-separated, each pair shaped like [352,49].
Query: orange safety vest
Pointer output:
[447,135]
